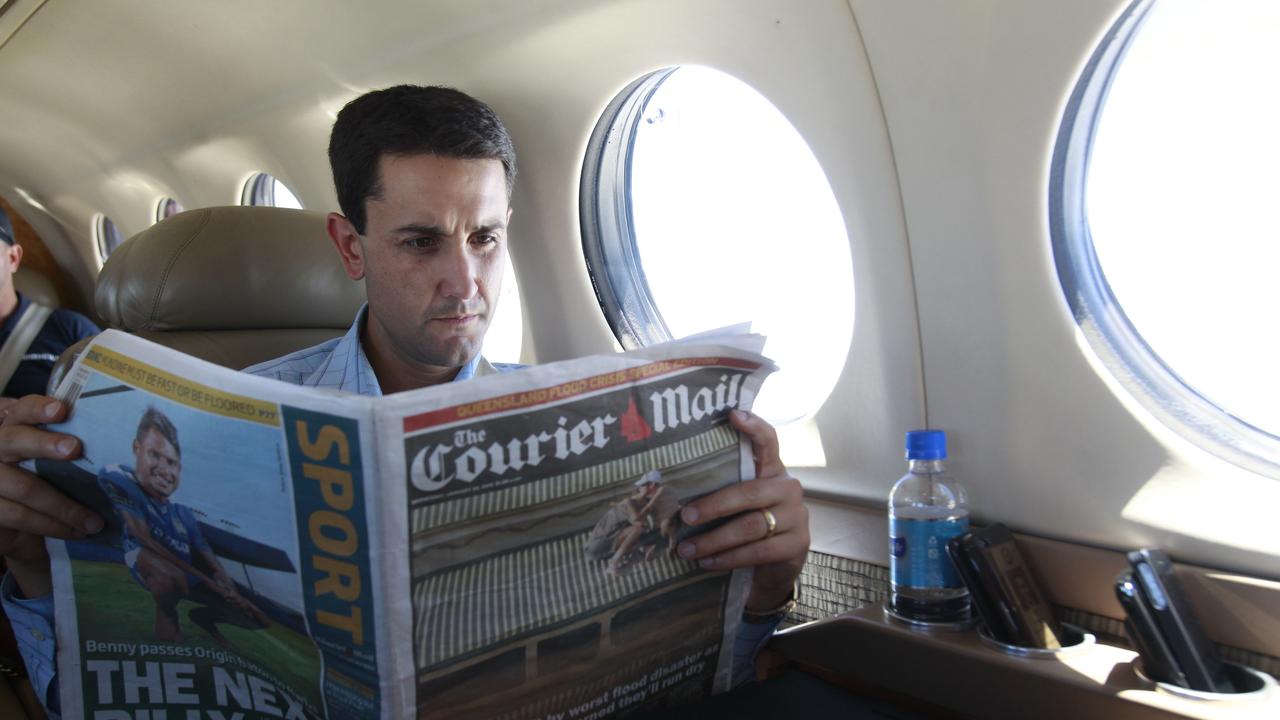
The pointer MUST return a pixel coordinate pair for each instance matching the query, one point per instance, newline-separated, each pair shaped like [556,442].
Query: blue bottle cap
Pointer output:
[926,445]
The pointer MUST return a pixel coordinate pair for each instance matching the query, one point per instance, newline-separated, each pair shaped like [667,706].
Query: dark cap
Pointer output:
[6,229]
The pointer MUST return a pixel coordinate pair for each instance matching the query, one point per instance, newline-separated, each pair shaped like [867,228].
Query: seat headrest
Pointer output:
[228,268]
[36,286]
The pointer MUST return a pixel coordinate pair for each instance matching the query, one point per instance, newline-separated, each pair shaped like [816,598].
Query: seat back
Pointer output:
[36,287]
[232,285]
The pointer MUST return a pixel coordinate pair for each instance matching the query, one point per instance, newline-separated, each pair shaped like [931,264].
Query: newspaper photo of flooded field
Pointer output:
[574,608]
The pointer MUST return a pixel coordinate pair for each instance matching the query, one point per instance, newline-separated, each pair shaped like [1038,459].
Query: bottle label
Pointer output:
[919,552]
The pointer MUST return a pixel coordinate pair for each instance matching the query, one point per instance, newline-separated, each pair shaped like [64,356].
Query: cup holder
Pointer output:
[1251,685]
[929,626]
[1074,640]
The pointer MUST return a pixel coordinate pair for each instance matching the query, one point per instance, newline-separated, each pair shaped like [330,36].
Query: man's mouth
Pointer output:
[455,320]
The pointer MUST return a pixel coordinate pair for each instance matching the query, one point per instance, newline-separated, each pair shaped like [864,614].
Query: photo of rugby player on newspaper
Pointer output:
[165,579]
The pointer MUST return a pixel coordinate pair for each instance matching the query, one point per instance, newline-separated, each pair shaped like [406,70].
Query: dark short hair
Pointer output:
[410,120]
[153,419]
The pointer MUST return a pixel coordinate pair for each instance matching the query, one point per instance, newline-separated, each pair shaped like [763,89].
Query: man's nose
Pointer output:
[458,276]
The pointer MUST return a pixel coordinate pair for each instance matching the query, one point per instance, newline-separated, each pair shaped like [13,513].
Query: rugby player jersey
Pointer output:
[172,525]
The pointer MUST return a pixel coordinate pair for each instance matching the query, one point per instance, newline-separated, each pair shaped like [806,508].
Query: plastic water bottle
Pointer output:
[926,509]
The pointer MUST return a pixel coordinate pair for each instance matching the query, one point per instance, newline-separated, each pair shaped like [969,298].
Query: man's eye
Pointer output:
[485,239]
[420,243]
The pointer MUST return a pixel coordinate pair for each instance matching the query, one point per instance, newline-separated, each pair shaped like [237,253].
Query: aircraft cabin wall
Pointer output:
[934,122]
[1047,435]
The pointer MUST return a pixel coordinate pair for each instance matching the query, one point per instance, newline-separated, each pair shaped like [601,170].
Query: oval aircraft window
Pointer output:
[167,208]
[1163,196]
[265,189]
[108,236]
[702,206]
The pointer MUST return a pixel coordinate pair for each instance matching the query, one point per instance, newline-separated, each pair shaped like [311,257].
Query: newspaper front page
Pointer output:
[543,513]
[236,577]
[502,547]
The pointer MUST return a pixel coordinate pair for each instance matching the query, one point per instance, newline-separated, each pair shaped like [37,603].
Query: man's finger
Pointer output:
[776,549]
[739,497]
[35,410]
[22,519]
[747,528]
[23,442]
[23,490]
[764,442]
[9,540]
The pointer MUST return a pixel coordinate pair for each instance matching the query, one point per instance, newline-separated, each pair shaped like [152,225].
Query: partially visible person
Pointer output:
[163,547]
[25,367]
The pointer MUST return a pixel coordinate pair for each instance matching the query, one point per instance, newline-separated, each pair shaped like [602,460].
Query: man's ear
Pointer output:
[347,241]
[15,256]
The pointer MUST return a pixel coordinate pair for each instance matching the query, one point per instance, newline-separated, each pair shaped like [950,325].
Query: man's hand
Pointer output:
[225,587]
[30,508]
[746,540]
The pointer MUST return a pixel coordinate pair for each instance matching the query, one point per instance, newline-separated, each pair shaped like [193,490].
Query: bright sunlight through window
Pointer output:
[734,221]
[1181,195]
[505,340]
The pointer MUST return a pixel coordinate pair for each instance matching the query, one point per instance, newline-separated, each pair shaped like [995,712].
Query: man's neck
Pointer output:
[8,302]
[394,371]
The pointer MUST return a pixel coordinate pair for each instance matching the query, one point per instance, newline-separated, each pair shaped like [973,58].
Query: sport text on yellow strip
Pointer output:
[201,397]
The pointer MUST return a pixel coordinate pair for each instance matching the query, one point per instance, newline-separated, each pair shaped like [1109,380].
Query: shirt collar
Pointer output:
[468,371]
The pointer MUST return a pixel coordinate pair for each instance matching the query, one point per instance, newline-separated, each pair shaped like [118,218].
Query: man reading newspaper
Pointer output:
[424,178]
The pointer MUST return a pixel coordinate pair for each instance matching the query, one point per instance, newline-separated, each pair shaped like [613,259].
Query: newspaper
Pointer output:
[502,547]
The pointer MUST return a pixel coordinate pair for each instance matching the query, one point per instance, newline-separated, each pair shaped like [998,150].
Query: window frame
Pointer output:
[1097,312]
[260,191]
[608,232]
[100,221]
[159,215]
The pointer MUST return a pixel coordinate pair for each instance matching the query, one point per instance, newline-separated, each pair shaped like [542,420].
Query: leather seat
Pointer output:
[231,285]
[35,286]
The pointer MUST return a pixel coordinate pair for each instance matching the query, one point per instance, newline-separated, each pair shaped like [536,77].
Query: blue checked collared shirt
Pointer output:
[338,364]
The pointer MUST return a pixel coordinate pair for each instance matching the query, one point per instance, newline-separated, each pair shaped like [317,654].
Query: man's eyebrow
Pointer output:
[430,230]
[416,229]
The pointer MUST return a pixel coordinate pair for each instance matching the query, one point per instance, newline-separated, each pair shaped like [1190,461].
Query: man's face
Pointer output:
[432,257]
[158,466]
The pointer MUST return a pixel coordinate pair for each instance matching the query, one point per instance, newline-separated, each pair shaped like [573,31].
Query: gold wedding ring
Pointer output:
[771,523]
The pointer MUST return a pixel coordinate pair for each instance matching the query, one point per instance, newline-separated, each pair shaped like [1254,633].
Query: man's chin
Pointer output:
[451,352]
